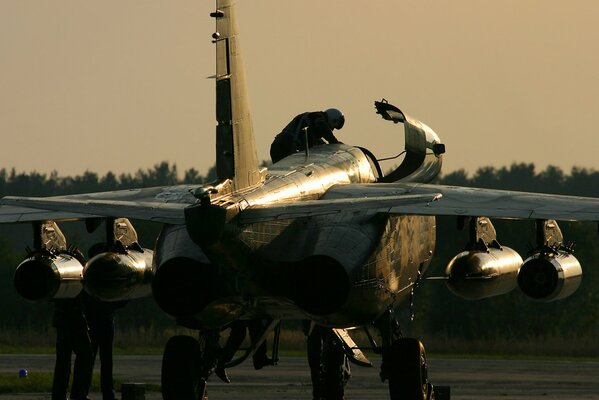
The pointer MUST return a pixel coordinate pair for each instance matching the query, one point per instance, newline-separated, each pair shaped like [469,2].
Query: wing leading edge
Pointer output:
[452,201]
[312,208]
[396,198]
[168,213]
[17,214]
[173,213]
[162,204]
[492,203]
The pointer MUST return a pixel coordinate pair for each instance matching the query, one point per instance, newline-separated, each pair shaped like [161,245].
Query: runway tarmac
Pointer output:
[469,379]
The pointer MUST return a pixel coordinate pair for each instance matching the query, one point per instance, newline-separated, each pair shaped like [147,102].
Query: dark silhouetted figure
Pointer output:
[100,318]
[320,126]
[71,337]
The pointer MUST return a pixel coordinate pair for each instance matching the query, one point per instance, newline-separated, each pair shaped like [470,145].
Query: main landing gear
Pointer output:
[183,369]
[187,362]
[404,362]
[407,373]
[329,363]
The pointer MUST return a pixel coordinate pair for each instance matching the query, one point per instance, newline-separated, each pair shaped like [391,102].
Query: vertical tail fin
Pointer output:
[236,156]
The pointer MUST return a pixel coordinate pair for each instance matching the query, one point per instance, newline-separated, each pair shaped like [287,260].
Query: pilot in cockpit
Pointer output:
[320,126]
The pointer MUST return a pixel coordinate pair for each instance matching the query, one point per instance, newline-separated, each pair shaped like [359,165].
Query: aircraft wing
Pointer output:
[13,214]
[160,204]
[466,201]
[451,200]
[391,198]
[57,209]
[173,213]
[312,208]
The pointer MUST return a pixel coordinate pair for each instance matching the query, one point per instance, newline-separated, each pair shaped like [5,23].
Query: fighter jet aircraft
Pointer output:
[321,236]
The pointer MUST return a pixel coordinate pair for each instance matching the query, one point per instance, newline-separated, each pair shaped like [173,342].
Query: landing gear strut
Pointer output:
[187,362]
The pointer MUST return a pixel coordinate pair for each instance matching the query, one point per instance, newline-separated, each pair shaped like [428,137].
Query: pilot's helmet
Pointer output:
[335,118]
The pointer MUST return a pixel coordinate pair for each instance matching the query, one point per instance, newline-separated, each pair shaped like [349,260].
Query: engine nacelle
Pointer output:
[114,276]
[321,284]
[45,276]
[351,274]
[550,276]
[185,282]
[475,275]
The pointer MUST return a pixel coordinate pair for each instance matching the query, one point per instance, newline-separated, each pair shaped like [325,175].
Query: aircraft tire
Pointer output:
[335,368]
[180,375]
[408,377]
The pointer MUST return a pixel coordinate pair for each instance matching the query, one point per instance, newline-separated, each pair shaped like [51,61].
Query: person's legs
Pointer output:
[105,345]
[84,364]
[62,366]
[281,147]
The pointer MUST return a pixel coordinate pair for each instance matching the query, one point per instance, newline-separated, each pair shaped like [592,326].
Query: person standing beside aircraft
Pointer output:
[100,318]
[72,336]
[320,126]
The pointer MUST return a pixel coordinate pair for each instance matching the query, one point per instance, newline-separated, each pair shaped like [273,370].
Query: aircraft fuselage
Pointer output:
[340,269]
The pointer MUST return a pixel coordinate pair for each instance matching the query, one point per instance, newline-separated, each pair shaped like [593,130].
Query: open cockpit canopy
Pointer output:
[423,148]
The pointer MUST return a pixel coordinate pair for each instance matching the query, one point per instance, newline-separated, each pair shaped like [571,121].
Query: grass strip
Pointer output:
[41,382]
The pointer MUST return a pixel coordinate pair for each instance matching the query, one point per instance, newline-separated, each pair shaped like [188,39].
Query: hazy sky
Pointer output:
[121,85]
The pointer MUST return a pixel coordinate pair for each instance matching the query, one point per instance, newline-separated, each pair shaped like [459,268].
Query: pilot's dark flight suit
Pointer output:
[292,139]
[71,337]
[100,318]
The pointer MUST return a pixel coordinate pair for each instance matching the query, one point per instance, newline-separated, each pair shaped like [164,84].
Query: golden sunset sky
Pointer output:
[121,85]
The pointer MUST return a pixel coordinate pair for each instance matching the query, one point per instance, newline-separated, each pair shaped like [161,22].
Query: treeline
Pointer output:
[524,177]
[38,184]
[440,316]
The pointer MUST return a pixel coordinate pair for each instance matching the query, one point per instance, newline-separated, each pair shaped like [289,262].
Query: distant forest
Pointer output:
[440,315]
